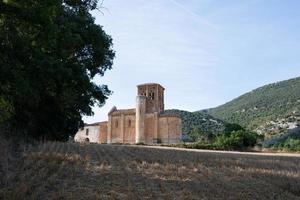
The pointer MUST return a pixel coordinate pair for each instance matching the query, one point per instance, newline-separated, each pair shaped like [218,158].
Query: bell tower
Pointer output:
[154,94]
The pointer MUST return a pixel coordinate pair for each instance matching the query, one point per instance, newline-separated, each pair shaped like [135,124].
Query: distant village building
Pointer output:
[147,123]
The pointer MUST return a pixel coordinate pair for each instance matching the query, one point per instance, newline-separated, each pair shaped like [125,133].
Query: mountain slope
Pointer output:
[202,121]
[274,103]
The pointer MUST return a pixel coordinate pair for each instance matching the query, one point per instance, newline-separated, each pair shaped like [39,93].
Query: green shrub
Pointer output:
[290,144]
[198,135]
[236,140]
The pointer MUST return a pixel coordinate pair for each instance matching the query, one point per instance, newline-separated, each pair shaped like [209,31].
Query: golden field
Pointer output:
[55,170]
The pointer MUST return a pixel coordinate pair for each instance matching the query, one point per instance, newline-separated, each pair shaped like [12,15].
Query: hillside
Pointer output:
[272,108]
[202,121]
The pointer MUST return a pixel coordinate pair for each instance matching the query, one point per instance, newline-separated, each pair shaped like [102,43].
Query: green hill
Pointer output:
[271,107]
[203,121]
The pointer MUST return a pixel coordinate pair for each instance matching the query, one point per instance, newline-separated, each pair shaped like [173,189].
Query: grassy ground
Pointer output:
[73,171]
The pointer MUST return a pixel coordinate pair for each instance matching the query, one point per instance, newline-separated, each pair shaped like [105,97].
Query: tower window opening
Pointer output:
[116,124]
[151,95]
[129,123]
[87,131]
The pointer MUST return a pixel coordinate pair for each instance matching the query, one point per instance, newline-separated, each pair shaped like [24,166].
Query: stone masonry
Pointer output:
[146,123]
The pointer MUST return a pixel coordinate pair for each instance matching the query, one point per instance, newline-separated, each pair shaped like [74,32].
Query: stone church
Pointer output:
[147,123]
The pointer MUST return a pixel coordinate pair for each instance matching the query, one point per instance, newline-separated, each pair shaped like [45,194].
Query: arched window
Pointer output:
[129,123]
[87,131]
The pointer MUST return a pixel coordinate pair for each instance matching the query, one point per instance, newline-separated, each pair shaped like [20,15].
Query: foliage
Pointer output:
[232,137]
[291,144]
[261,105]
[196,134]
[50,53]
[6,110]
[281,138]
[197,124]
[196,145]
[210,133]
[236,140]
[288,142]
[232,127]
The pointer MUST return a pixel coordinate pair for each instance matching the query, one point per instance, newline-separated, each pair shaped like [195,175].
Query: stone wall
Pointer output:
[129,135]
[122,127]
[116,129]
[103,132]
[149,128]
[89,133]
[165,128]
[170,129]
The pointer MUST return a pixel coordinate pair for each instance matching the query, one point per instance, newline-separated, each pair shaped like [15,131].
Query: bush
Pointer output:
[198,135]
[290,144]
[236,140]
[199,145]
[229,128]
[288,141]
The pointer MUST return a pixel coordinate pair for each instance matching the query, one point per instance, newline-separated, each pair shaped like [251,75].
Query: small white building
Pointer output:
[90,133]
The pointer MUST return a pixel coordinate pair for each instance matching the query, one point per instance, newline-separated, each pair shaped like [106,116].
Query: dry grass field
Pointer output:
[74,171]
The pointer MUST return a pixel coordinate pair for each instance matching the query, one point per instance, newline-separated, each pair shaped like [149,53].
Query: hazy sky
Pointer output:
[204,52]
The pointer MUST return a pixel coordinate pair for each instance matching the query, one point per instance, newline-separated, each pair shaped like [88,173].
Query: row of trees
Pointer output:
[50,53]
[205,131]
[232,137]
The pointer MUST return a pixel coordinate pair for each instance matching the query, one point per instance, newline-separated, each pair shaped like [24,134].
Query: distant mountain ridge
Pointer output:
[276,104]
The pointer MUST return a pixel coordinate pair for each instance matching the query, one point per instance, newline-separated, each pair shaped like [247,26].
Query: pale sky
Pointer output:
[204,52]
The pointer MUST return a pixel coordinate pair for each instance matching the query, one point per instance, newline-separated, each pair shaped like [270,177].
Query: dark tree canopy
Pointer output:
[50,52]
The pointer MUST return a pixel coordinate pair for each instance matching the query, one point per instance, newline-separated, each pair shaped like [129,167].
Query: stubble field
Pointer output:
[91,171]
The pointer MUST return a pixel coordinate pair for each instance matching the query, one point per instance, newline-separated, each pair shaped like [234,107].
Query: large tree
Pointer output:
[50,52]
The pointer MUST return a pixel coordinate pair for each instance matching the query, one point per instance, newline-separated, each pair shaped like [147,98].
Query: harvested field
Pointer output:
[73,171]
